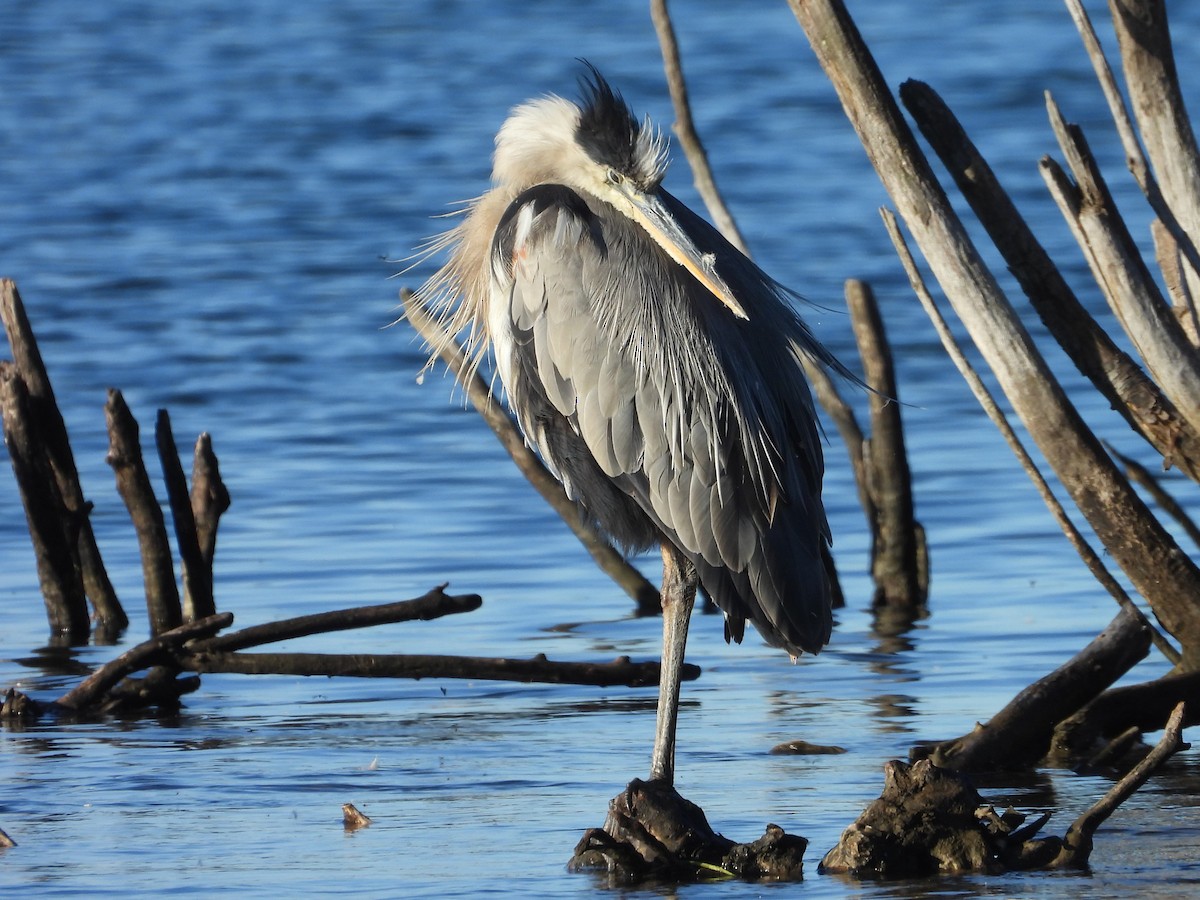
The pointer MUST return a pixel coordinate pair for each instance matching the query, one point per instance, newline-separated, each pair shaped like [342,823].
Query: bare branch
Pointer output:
[432,605]
[685,128]
[210,497]
[1119,270]
[197,577]
[979,389]
[1118,377]
[899,564]
[1077,845]
[1143,548]
[378,665]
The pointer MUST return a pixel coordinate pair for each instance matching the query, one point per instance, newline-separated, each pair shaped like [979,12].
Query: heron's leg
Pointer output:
[678,596]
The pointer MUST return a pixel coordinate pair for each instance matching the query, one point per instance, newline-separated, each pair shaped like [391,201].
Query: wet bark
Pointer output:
[899,560]
[1140,707]
[197,576]
[652,834]
[382,665]
[1077,844]
[53,544]
[931,821]
[209,497]
[1118,268]
[432,605]
[1113,372]
[1162,119]
[53,445]
[1020,734]
[133,484]
[148,653]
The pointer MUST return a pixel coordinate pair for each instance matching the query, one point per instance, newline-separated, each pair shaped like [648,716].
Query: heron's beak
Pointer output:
[649,212]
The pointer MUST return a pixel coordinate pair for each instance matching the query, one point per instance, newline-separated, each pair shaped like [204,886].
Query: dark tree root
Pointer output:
[654,834]
[930,820]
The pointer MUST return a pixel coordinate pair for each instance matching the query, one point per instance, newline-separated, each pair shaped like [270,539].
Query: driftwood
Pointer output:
[1136,707]
[1021,733]
[210,497]
[381,665]
[1147,553]
[899,558]
[931,820]
[151,652]
[432,605]
[1113,372]
[1068,711]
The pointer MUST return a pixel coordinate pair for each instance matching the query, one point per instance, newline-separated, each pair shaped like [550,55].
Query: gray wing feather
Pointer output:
[658,421]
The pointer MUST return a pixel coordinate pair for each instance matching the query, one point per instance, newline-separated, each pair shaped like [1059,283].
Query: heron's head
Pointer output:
[592,145]
[598,147]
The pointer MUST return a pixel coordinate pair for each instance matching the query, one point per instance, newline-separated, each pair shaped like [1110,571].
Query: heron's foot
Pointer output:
[654,834]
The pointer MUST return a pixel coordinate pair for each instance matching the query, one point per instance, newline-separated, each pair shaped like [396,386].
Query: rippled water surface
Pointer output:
[203,204]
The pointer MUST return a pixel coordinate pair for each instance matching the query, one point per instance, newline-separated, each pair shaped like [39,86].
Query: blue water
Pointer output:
[203,205]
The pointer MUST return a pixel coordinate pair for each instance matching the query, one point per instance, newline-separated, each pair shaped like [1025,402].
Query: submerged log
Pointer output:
[620,671]
[654,834]
[1020,734]
[1142,707]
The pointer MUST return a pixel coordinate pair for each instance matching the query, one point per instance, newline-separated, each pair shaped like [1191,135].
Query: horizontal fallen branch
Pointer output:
[432,605]
[145,654]
[377,665]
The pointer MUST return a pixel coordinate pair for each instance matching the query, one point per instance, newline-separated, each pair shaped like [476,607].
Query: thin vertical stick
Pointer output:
[197,580]
[158,572]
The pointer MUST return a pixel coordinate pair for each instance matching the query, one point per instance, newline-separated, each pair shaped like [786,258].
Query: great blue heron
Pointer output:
[655,369]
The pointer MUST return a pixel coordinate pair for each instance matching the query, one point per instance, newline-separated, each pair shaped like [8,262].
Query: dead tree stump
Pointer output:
[654,834]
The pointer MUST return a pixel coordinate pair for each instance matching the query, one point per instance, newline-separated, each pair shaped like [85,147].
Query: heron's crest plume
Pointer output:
[612,137]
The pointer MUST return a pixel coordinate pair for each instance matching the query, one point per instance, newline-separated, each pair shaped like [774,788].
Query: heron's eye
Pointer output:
[614,177]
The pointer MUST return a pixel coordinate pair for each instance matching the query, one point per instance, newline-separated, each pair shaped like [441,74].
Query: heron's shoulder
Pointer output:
[541,198]
[545,216]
